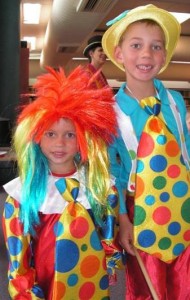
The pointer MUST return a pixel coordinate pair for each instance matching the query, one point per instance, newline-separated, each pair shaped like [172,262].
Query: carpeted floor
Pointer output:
[117,292]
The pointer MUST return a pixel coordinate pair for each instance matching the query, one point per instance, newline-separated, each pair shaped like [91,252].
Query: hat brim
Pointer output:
[167,22]
[90,47]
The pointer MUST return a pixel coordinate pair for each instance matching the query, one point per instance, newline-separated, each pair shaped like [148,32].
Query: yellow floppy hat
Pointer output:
[166,20]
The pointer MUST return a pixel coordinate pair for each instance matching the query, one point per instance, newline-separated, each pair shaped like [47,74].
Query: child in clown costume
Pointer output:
[61,214]
[153,148]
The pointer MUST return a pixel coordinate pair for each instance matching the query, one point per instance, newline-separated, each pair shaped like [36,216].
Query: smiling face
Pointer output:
[98,57]
[59,145]
[142,51]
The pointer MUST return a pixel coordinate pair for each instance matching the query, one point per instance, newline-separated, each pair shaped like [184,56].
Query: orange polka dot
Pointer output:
[90,266]
[155,125]
[140,189]
[59,290]
[172,148]
[72,209]
[157,255]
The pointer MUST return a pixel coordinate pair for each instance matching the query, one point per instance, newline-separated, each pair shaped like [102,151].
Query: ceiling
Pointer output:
[66,25]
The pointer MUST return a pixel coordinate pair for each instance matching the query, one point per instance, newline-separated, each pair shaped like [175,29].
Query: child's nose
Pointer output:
[146,52]
[60,141]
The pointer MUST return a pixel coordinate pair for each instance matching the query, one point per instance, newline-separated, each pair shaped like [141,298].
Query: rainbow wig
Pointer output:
[94,118]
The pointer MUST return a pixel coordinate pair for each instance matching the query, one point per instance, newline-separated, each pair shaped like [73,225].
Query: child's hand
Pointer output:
[126,233]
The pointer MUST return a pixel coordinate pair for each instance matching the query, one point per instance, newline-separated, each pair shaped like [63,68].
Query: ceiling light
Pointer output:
[31,13]
[181,17]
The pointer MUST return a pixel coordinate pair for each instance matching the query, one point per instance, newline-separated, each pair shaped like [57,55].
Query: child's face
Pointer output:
[142,51]
[59,145]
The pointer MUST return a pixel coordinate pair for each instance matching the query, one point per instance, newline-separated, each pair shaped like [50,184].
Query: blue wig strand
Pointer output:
[34,188]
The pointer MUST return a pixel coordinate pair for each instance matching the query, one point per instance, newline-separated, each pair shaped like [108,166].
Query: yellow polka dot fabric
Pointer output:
[162,197]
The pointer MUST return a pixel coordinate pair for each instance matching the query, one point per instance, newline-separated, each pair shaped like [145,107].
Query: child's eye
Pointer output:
[49,134]
[136,46]
[70,135]
[156,47]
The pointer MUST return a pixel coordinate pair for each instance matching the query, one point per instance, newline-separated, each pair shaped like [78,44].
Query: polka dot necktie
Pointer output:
[162,196]
[80,265]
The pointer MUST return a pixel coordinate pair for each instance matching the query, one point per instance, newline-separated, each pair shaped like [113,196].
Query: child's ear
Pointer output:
[118,54]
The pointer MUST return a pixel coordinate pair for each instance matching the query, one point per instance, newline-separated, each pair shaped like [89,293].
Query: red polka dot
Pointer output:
[146,145]
[173,171]
[16,204]
[161,215]
[87,291]
[186,235]
[79,227]
[104,263]
[16,227]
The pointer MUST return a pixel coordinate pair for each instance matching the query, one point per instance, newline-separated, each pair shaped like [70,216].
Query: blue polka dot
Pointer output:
[61,185]
[158,163]
[146,238]
[174,228]
[149,200]
[180,189]
[95,241]
[74,192]
[108,223]
[164,197]
[178,249]
[113,200]
[14,265]
[104,282]
[72,280]
[67,255]
[9,210]
[58,229]
[161,139]
[37,291]
[14,245]
[140,166]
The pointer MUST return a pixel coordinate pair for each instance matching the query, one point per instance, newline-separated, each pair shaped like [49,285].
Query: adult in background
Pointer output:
[97,58]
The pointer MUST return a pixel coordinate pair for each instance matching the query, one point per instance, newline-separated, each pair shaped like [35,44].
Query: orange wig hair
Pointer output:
[69,97]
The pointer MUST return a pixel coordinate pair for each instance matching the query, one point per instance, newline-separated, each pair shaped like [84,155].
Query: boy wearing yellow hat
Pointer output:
[153,146]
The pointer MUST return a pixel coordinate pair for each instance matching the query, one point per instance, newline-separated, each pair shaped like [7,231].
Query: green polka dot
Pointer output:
[132,154]
[185,211]
[159,182]
[84,247]
[140,215]
[164,243]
